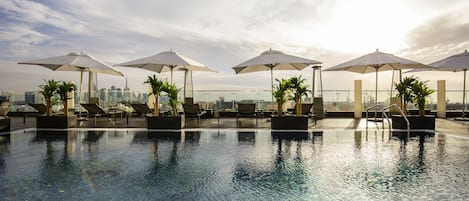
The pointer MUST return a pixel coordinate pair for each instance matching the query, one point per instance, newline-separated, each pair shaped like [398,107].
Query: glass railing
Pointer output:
[333,100]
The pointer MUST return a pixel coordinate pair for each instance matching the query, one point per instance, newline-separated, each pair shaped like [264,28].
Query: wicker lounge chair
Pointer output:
[246,110]
[193,111]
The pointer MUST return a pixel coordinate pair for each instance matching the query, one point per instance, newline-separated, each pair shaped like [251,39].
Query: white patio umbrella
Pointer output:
[273,60]
[374,62]
[75,62]
[167,61]
[454,63]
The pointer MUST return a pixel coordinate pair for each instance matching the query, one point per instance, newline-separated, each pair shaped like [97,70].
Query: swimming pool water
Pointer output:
[231,165]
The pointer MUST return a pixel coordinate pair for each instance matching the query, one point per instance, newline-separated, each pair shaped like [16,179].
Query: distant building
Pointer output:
[30,97]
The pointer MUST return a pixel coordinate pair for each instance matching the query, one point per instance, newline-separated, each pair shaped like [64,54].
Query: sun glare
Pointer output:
[363,26]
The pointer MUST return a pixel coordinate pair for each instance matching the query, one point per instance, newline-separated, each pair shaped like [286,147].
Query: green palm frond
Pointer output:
[63,90]
[172,92]
[156,85]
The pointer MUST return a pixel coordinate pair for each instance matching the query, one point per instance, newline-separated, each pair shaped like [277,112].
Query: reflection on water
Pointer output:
[247,137]
[232,165]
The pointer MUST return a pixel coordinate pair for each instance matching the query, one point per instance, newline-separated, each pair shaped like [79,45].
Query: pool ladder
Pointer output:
[387,118]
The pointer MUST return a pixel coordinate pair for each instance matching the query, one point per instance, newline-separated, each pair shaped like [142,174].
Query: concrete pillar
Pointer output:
[441,100]
[358,99]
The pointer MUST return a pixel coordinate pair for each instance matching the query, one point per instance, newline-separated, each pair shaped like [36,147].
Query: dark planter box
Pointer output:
[60,122]
[4,124]
[289,123]
[416,122]
[165,122]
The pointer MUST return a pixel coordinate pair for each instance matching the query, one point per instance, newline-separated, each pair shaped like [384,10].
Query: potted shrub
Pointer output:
[56,121]
[412,90]
[164,122]
[299,89]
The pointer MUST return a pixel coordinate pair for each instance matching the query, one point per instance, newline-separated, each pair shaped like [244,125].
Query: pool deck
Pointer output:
[447,126]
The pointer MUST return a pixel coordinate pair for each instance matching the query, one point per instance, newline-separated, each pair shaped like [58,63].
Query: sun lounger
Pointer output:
[193,111]
[41,108]
[246,110]
[141,108]
[95,110]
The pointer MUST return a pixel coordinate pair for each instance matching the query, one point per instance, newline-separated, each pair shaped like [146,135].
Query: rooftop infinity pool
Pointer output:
[129,164]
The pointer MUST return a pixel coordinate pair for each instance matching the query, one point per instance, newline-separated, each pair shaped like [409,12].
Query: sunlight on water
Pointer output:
[231,165]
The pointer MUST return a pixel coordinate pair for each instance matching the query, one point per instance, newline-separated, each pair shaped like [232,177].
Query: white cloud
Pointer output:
[21,35]
[32,13]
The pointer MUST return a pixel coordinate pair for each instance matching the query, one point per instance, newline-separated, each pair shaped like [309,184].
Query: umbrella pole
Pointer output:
[171,76]
[272,83]
[464,96]
[392,83]
[376,93]
[320,80]
[313,84]
[79,94]
[185,80]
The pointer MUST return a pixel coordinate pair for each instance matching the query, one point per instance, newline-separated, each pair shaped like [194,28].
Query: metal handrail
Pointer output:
[367,109]
[403,115]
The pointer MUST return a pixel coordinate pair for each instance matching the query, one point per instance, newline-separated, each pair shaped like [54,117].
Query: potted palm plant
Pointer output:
[299,89]
[172,93]
[156,90]
[412,90]
[279,94]
[56,121]
[404,91]
[48,91]
[164,122]
[64,90]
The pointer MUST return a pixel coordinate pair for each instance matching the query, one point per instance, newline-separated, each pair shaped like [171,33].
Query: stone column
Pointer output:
[441,100]
[358,99]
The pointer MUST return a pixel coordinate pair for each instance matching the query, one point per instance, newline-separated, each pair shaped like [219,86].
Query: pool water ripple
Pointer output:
[232,165]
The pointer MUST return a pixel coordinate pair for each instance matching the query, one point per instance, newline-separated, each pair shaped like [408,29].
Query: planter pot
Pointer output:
[289,123]
[4,124]
[60,122]
[416,122]
[165,122]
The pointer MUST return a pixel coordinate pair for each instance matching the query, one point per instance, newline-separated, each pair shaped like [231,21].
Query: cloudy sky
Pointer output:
[223,33]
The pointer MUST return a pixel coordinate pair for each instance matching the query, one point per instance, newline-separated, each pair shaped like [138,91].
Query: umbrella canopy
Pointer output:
[75,62]
[273,60]
[455,63]
[167,61]
[377,61]
[374,62]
